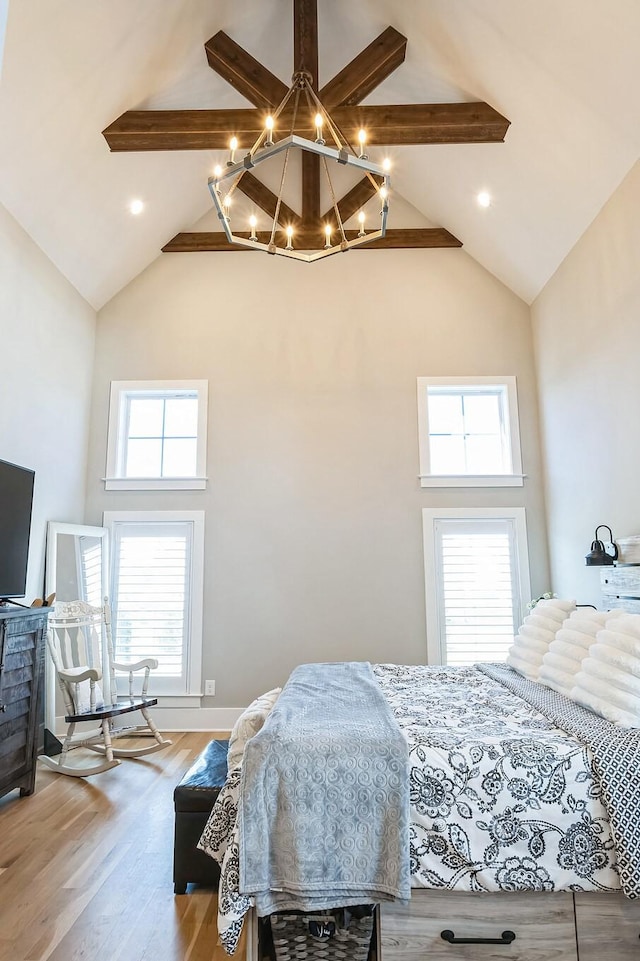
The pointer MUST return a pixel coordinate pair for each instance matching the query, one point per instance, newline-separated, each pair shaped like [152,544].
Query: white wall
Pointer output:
[313,537]
[4,10]
[47,338]
[587,335]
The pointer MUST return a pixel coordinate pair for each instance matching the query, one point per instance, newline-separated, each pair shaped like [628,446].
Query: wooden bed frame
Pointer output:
[523,926]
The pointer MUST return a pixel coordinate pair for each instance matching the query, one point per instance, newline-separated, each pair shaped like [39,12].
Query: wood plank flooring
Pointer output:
[86,867]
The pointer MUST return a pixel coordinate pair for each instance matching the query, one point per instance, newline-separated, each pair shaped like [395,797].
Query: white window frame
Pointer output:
[512,427]
[432,568]
[189,685]
[121,390]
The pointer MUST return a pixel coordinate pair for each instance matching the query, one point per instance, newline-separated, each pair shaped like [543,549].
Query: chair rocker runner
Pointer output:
[81,648]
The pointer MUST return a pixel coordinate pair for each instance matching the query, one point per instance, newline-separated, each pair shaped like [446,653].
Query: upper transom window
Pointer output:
[469,435]
[157,435]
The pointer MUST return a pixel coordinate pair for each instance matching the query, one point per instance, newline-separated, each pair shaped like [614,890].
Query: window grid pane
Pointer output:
[179,457]
[144,458]
[181,417]
[473,443]
[162,438]
[146,415]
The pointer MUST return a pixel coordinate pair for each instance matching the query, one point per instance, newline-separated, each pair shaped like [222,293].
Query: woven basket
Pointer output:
[294,940]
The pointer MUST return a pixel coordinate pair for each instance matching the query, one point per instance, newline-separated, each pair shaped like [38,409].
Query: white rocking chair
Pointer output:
[81,648]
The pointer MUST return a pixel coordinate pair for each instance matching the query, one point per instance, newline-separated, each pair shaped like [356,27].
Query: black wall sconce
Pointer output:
[602,553]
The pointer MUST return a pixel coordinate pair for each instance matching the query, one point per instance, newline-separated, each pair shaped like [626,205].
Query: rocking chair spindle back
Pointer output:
[81,649]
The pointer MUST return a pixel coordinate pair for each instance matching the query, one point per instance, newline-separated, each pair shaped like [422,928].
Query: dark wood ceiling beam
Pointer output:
[244,72]
[351,203]
[305,57]
[407,237]
[310,188]
[183,129]
[267,201]
[424,123]
[401,238]
[373,65]
[405,124]
[305,38]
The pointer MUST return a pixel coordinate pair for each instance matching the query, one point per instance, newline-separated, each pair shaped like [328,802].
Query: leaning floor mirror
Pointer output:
[77,569]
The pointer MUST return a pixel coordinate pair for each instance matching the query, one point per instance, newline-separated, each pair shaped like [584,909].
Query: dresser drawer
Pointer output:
[613,602]
[608,926]
[543,925]
[620,580]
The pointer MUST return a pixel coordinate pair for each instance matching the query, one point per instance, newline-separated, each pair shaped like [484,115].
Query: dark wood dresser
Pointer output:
[22,644]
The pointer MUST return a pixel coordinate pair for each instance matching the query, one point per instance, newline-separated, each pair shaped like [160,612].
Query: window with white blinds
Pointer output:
[156,588]
[477,581]
[90,563]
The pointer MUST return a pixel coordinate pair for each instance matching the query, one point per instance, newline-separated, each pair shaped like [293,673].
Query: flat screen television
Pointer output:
[16,501]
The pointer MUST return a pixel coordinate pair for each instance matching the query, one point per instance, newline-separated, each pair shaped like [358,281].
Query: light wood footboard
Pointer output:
[524,926]
[458,925]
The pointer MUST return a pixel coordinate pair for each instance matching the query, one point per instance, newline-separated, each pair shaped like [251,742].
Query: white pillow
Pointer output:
[570,647]
[536,634]
[609,679]
[249,723]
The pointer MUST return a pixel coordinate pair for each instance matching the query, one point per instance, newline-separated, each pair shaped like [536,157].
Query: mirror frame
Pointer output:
[51,558]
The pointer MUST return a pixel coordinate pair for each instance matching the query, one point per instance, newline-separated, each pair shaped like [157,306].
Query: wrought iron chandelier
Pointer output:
[281,238]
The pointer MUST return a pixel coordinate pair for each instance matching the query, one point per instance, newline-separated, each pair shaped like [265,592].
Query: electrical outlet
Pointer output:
[210,688]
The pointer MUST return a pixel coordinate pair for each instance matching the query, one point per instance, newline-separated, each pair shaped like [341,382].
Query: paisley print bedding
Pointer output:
[500,798]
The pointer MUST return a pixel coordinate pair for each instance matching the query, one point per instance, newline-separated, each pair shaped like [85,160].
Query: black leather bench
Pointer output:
[193,800]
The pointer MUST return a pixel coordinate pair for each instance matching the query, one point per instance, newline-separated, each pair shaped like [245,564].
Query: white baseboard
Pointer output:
[212,719]
[196,719]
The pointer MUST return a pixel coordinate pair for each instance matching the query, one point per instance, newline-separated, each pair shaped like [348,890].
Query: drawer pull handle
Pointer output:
[506,938]
[3,708]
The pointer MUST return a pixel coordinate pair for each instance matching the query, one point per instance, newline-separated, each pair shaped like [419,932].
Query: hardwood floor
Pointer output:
[86,868]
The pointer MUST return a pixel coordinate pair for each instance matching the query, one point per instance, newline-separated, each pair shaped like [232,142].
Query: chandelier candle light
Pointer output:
[264,149]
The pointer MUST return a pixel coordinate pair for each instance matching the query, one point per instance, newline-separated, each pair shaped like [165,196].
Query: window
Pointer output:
[157,592]
[477,582]
[89,553]
[468,432]
[157,435]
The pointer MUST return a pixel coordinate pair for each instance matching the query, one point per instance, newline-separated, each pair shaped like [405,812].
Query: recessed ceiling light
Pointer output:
[136,207]
[484,199]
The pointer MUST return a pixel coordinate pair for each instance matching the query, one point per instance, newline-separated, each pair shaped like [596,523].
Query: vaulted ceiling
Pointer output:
[566,74]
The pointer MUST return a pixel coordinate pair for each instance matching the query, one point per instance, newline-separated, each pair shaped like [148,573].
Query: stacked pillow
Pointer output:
[248,724]
[609,681]
[536,634]
[569,648]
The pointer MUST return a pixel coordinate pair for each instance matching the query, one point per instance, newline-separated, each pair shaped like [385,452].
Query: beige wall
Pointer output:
[313,536]
[4,9]
[47,337]
[587,333]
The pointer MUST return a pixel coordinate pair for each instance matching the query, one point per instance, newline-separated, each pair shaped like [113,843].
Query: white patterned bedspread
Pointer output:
[501,799]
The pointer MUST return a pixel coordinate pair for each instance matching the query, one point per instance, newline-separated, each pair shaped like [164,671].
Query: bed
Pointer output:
[522,813]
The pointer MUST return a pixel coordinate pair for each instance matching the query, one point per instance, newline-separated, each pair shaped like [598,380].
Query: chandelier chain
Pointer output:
[284,170]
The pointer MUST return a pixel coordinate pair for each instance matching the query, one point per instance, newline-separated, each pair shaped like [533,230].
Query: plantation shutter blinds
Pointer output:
[477,588]
[151,588]
[90,549]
